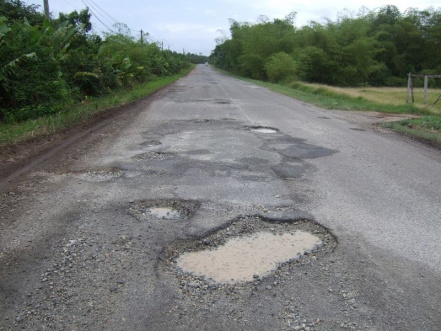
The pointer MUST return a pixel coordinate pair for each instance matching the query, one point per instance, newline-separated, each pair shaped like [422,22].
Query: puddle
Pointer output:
[261,129]
[164,213]
[243,259]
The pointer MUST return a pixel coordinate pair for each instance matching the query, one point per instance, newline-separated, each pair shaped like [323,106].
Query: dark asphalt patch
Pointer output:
[306,151]
[288,171]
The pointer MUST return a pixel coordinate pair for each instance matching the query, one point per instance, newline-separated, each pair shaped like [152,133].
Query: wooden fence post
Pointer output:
[426,86]
[409,82]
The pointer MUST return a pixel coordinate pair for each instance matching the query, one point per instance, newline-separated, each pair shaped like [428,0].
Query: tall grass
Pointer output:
[81,112]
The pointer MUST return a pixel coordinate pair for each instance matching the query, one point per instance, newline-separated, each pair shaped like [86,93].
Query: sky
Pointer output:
[193,25]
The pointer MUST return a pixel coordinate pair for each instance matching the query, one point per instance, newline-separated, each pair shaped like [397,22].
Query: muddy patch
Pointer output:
[246,251]
[164,209]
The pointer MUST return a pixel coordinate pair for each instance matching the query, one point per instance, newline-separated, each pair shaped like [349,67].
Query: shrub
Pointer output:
[279,67]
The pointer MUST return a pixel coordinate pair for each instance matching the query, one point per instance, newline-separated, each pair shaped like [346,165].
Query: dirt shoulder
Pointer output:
[17,159]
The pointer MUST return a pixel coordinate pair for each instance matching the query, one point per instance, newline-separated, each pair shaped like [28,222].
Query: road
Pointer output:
[87,244]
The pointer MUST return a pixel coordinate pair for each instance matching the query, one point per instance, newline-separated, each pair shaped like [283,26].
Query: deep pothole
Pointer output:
[263,129]
[163,209]
[248,250]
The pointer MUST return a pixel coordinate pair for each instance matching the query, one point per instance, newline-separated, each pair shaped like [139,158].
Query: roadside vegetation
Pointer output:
[56,73]
[358,62]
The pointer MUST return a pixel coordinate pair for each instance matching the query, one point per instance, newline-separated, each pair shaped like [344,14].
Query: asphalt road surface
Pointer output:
[91,237]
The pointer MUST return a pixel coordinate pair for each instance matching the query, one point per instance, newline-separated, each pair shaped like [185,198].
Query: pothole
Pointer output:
[242,259]
[164,209]
[150,143]
[155,156]
[248,250]
[357,129]
[101,175]
[263,129]
[222,101]
[164,213]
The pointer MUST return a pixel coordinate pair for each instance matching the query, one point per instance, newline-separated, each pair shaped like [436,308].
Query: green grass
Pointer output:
[327,98]
[384,100]
[82,112]
[426,128]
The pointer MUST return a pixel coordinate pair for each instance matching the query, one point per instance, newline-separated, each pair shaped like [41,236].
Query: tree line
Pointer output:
[47,65]
[377,48]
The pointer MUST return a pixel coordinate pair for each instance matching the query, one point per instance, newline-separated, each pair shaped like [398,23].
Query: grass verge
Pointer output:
[427,127]
[79,113]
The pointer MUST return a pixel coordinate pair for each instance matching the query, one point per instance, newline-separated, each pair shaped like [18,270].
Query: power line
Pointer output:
[97,17]
[100,11]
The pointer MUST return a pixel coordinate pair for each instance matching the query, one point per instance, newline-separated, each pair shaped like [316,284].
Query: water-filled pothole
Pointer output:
[164,209]
[247,250]
[262,129]
[243,259]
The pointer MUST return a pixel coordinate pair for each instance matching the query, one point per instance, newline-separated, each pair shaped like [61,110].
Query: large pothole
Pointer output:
[247,250]
[242,259]
[163,209]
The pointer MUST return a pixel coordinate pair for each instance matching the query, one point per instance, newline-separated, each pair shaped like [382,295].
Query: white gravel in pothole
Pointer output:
[242,258]
[164,213]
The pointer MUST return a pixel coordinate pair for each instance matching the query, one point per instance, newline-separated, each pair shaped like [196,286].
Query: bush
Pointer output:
[280,67]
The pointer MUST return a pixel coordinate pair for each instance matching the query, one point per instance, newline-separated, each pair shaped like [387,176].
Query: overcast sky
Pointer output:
[194,25]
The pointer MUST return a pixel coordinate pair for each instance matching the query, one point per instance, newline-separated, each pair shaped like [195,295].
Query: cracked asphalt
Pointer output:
[80,251]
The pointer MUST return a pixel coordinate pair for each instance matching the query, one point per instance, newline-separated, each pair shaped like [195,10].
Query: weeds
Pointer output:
[81,112]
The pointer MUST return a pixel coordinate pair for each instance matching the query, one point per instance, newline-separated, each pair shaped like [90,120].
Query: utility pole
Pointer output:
[142,41]
[46,9]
